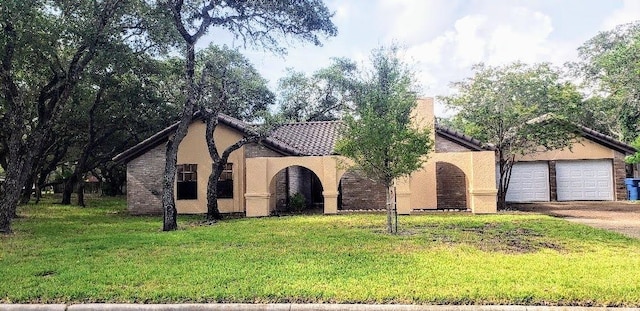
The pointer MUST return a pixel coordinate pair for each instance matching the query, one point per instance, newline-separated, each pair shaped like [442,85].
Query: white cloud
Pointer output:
[629,12]
[495,37]
[411,20]
[469,42]
[524,37]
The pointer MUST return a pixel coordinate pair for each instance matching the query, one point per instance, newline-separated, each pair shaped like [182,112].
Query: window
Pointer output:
[187,182]
[225,182]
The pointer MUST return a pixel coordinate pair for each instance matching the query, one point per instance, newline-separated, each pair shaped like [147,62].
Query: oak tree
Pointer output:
[256,23]
[519,109]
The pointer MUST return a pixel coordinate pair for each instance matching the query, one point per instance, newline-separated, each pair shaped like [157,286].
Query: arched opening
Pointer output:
[451,186]
[296,189]
[357,192]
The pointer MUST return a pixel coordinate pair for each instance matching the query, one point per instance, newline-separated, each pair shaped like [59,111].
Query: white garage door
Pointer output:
[529,182]
[584,180]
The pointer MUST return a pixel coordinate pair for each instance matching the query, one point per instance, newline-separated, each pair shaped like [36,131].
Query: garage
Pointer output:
[529,182]
[584,180]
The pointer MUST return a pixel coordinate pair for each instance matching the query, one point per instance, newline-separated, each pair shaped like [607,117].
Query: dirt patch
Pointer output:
[490,237]
[622,217]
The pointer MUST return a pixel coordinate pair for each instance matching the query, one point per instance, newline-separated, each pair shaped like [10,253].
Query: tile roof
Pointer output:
[319,138]
[309,138]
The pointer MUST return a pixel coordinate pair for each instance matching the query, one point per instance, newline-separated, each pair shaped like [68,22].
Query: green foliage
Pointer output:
[297,202]
[100,254]
[230,84]
[519,109]
[325,95]
[634,158]
[610,66]
[380,137]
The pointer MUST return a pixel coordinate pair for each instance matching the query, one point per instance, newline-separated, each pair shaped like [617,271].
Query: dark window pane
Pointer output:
[187,190]
[225,189]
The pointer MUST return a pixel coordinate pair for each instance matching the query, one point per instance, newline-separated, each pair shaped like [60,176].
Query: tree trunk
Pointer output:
[69,184]
[213,213]
[392,213]
[170,213]
[505,166]
[170,221]
[25,197]
[38,192]
[80,192]
[16,174]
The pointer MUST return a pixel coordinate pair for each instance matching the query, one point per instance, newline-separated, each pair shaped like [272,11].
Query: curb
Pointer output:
[290,307]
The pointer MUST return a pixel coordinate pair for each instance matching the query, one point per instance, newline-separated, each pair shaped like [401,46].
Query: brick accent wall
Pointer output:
[144,182]
[445,145]
[451,186]
[619,174]
[360,193]
[281,190]
[553,183]
[258,150]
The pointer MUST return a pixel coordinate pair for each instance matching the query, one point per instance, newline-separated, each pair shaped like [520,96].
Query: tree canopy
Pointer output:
[47,46]
[609,64]
[327,94]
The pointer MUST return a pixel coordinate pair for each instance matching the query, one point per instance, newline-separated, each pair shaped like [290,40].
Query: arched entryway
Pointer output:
[296,189]
[357,192]
[451,186]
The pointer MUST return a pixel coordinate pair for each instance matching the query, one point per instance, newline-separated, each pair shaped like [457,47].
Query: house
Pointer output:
[298,158]
[261,179]
[593,169]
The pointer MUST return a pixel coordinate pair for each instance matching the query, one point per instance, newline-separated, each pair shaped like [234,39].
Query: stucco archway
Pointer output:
[262,170]
[295,181]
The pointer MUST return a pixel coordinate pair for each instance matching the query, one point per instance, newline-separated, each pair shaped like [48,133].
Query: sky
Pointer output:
[444,38]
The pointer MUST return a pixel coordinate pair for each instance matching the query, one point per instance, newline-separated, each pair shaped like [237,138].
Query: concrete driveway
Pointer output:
[622,217]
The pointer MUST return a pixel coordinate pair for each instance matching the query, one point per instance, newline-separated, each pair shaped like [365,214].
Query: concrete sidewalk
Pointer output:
[287,307]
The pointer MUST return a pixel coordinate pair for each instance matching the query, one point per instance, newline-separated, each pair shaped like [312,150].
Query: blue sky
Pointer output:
[444,38]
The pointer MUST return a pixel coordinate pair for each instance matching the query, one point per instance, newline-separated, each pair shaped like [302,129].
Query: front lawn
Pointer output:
[100,254]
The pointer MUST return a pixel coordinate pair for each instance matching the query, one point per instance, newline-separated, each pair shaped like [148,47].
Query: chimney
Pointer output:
[423,115]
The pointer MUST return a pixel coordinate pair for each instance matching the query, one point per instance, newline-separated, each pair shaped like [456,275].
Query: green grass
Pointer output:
[100,254]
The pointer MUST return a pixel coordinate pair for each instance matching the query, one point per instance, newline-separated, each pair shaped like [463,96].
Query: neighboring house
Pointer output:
[593,169]
[299,158]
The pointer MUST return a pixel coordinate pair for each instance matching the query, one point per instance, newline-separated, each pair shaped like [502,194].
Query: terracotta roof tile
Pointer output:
[310,138]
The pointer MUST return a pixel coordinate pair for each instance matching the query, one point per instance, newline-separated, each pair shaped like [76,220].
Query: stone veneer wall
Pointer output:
[361,193]
[144,182]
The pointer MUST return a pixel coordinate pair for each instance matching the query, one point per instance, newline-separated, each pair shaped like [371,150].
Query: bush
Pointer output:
[297,202]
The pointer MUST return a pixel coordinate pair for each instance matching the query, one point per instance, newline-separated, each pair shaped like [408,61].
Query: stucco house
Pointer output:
[261,178]
[299,158]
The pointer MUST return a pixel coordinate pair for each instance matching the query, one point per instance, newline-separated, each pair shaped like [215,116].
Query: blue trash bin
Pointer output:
[632,188]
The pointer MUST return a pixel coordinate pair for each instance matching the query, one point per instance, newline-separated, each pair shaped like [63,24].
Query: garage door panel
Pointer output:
[529,182]
[584,180]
